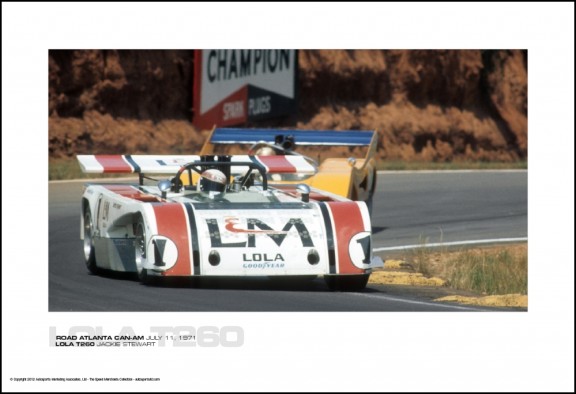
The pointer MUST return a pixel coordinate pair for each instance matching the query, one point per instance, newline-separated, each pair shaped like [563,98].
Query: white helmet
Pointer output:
[265,151]
[213,182]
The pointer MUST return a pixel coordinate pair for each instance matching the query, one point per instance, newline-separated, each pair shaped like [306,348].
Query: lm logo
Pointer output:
[254,227]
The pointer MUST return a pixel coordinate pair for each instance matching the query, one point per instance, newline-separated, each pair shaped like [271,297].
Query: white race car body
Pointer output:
[253,230]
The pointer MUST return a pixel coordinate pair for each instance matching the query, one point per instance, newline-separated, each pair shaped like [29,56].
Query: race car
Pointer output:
[218,215]
[353,178]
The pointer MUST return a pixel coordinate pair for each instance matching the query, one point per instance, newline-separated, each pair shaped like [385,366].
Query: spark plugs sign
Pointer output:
[235,86]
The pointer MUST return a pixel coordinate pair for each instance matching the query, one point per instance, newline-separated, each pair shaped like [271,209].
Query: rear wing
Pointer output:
[300,137]
[170,164]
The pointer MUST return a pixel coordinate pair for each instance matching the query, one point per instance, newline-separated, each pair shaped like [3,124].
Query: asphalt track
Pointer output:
[409,209]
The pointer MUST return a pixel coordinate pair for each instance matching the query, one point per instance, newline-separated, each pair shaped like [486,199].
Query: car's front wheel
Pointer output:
[140,251]
[370,200]
[89,254]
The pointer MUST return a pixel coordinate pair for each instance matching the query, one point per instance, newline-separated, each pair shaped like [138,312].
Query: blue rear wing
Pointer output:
[301,137]
[351,138]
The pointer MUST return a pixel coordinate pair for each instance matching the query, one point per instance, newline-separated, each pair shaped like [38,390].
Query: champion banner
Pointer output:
[233,86]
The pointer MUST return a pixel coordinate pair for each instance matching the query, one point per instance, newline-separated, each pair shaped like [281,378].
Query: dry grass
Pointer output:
[404,278]
[496,270]
[59,169]
[507,300]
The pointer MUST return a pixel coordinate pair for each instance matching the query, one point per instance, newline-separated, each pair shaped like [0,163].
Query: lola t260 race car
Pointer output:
[220,216]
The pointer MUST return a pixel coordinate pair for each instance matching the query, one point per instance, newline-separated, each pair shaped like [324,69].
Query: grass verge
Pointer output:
[463,165]
[489,271]
[486,276]
[59,169]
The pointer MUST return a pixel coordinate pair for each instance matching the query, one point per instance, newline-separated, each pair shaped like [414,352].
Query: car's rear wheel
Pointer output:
[140,250]
[370,200]
[89,254]
[346,282]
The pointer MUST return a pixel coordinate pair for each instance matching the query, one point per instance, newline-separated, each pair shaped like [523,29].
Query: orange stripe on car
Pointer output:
[132,192]
[347,223]
[171,223]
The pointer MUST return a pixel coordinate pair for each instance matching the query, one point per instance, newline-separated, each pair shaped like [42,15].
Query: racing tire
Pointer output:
[89,253]
[369,204]
[370,200]
[140,251]
[346,282]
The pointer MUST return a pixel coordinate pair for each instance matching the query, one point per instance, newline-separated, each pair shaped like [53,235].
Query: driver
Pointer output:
[213,182]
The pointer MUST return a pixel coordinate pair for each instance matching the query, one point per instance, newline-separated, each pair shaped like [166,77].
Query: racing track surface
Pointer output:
[409,208]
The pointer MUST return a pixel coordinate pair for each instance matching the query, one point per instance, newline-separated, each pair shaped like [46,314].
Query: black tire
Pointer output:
[89,253]
[140,251]
[346,282]
[370,200]
[369,204]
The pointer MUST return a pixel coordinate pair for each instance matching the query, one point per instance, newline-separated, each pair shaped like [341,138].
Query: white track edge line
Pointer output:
[434,304]
[457,243]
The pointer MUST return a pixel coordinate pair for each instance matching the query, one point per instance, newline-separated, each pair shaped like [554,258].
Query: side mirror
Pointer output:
[236,184]
[304,192]
[164,186]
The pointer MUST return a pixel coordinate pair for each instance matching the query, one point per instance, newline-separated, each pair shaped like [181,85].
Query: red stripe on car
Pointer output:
[277,164]
[131,192]
[347,223]
[113,163]
[171,223]
[293,191]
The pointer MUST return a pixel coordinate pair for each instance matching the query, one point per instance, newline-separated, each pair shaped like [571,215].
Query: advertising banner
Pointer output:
[233,86]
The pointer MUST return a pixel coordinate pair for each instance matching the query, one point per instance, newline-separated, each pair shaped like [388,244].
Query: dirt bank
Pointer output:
[427,105]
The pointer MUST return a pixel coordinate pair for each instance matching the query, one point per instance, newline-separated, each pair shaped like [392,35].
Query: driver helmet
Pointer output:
[266,151]
[213,182]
